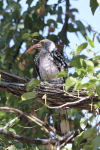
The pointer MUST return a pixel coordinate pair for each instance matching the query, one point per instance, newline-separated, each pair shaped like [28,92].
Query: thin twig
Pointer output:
[12,143]
[68,103]
[11,122]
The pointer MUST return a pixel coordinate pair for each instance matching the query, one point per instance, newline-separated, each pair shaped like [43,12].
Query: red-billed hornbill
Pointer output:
[48,64]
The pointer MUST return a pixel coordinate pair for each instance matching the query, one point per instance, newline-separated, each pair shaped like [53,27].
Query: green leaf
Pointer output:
[13,5]
[62,74]
[90,42]
[80,25]
[91,118]
[0,78]
[89,64]
[32,84]
[13,123]
[28,95]
[69,82]
[2,114]
[50,21]
[21,26]
[78,139]
[90,76]
[1,4]
[59,19]
[97,85]
[89,133]
[94,35]
[71,28]
[78,62]
[90,92]
[96,143]
[74,10]
[83,122]
[97,105]
[35,34]
[29,2]
[28,23]
[81,47]
[25,35]
[90,51]
[12,130]
[93,5]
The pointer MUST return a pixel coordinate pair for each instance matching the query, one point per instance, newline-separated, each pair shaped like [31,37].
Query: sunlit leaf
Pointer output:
[90,76]
[35,34]
[90,92]
[78,62]
[97,105]
[97,85]
[62,74]
[90,51]
[90,42]
[32,84]
[81,47]
[69,82]
[28,95]
[94,35]
[25,35]
[12,130]
[83,122]
[2,114]
[89,64]
[20,26]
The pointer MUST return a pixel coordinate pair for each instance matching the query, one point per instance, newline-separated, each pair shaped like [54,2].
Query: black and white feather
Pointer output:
[59,61]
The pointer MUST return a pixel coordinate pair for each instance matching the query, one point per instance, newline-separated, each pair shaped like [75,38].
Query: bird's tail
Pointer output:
[64,123]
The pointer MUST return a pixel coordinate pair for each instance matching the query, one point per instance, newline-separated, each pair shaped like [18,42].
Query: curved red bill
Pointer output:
[32,48]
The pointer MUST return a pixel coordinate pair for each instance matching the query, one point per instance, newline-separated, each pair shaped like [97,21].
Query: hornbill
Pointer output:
[49,63]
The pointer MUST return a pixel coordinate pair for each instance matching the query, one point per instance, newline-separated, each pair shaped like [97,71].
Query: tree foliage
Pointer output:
[26,28]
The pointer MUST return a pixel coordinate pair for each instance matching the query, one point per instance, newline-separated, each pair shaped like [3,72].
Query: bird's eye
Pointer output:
[42,43]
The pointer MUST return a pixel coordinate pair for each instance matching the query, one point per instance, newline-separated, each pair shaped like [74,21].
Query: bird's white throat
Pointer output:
[52,47]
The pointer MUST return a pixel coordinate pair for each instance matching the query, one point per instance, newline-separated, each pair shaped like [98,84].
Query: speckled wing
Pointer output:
[37,62]
[59,61]
[62,66]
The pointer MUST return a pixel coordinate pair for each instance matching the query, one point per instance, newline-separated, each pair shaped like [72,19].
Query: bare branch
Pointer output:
[70,136]
[25,139]
[32,118]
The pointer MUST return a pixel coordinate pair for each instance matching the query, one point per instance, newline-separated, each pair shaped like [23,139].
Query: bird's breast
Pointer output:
[48,70]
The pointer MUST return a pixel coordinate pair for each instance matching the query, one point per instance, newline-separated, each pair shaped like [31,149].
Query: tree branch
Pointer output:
[63,33]
[68,138]
[55,94]
[32,118]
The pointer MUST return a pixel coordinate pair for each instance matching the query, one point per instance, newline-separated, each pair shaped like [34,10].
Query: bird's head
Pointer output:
[44,45]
